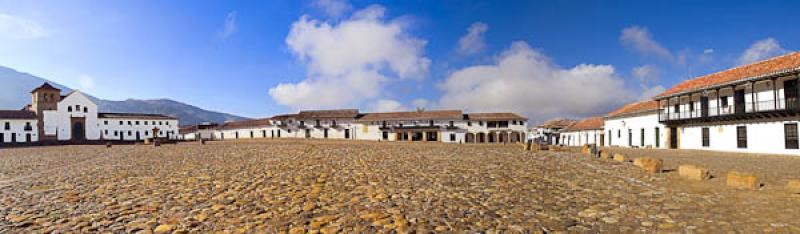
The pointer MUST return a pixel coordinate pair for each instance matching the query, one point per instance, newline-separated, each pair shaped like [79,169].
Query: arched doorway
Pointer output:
[481,137]
[470,138]
[492,137]
[502,137]
[78,131]
[514,137]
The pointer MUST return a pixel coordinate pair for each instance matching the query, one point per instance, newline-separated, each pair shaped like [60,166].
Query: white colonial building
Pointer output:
[752,108]
[18,127]
[583,132]
[635,125]
[452,126]
[549,132]
[74,118]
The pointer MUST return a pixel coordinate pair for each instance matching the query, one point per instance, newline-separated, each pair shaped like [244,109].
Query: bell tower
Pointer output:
[45,97]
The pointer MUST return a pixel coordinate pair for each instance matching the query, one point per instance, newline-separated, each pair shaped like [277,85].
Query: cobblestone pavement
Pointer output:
[356,187]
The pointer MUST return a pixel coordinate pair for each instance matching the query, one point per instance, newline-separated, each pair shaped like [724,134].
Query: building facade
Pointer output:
[451,126]
[75,118]
[586,131]
[635,125]
[751,108]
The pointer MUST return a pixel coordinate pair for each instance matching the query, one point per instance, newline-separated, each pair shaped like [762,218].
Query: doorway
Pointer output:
[347,134]
[738,101]
[790,91]
[673,138]
[78,132]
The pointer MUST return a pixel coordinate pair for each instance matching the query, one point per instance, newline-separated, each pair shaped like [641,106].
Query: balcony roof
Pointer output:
[634,108]
[774,66]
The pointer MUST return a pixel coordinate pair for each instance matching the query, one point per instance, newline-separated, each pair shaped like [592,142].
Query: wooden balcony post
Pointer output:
[718,108]
[753,95]
[775,92]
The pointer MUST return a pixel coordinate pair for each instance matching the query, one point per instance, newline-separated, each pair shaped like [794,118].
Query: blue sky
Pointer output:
[259,58]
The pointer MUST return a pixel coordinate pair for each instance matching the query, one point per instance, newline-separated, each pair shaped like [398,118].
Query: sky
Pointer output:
[260,58]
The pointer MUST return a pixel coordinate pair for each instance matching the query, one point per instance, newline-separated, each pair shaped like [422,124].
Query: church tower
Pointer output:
[45,97]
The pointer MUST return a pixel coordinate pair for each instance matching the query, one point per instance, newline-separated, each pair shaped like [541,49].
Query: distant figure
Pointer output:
[202,141]
[108,144]
[156,142]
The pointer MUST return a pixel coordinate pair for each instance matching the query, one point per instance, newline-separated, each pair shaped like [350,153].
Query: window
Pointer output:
[121,123]
[491,124]
[452,137]
[28,126]
[658,138]
[129,122]
[116,133]
[145,123]
[691,106]
[790,135]
[677,108]
[706,138]
[452,124]
[137,122]
[85,110]
[130,133]
[386,135]
[105,122]
[69,109]
[480,123]
[741,137]
[641,143]
[619,133]
[8,126]
[503,124]
[106,131]
[469,123]
[77,108]
[431,123]
[724,102]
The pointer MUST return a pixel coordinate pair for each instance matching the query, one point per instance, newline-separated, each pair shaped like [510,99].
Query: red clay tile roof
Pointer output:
[776,65]
[17,114]
[592,123]
[328,114]
[45,86]
[412,115]
[134,116]
[636,107]
[495,116]
[253,123]
[283,117]
[557,123]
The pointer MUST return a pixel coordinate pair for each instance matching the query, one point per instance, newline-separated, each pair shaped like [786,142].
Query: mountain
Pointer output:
[15,90]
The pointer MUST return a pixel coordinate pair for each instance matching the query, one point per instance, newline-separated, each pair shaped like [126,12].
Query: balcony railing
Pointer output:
[748,107]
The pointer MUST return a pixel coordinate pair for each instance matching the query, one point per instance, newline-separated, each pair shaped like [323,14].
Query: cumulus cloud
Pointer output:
[333,8]
[387,105]
[524,80]
[349,63]
[639,39]
[473,41]
[17,28]
[230,26]
[761,50]
[646,74]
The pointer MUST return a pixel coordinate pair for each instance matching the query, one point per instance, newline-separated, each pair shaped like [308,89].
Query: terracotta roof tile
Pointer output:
[495,116]
[134,116]
[636,107]
[17,114]
[253,123]
[328,114]
[45,86]
[412,115]
[557,123]
[592,123]
[774,65]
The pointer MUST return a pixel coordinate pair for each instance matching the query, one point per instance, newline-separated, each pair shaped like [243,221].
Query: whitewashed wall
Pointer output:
[17,127]
[58,122]
[764,137]
[582,137]
[127,128]
[618,128]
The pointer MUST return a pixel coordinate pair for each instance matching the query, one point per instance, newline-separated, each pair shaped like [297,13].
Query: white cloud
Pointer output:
[349,63]
[387,105]
[333,8]
[525,81]
[13,27]
[761,50]
[230,26]
[639,39]
[646,74]
[86,83]
[473,41]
